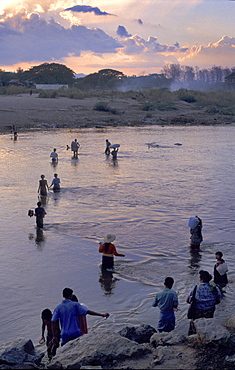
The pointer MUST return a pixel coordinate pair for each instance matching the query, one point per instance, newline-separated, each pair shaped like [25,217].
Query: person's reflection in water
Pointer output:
[54,163]
[56,197]
[194,262]
[107,281]
[74,161]
[43,200]
[39,238]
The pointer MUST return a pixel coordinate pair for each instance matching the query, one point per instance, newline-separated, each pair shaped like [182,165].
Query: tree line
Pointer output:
[55,73]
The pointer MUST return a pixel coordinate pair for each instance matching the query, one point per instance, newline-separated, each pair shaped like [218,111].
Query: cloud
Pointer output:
[137,44]
[222,52]
[24,38]
[87,9]
[121,31]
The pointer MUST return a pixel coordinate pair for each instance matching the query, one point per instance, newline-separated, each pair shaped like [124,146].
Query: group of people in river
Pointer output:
[65,322]
[203,298]
[43,189]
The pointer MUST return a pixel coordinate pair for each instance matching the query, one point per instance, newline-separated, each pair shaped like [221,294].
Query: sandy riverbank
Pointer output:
[31,112]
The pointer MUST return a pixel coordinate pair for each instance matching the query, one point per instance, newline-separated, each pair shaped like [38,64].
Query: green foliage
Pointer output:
[188,98]
[166,106]
[48,94]
[147,106]
[101,107]
[3,90]
[49,73]
[186,95]
[104,79]
[104,107]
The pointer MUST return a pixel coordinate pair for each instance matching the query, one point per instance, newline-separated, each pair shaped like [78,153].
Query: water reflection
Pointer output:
[194,262]
[56,197]
[74,161]
[43,199]
[39,238]
[107,281]
[54,163]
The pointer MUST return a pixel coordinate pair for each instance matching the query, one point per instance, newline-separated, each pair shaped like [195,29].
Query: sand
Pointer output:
[28,112]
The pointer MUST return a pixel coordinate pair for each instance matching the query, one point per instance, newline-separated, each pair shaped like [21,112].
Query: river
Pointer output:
[145,198]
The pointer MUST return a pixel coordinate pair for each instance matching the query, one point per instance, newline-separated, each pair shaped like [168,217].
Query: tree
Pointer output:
[172,71]
[50,73]
[103,79]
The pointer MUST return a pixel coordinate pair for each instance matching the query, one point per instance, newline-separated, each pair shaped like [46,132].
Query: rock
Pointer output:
[209,330]
[139,334]
[166,339]
[18,352]
[163,354]
[231,323]
[104,348]
[230,359]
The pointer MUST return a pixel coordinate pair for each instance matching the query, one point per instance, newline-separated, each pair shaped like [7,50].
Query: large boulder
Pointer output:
[18,352]
[209,330]
[139,334]
[103,348]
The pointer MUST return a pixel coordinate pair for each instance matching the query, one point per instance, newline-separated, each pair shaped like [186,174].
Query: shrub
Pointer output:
[48,94]
[101,107]
[104,107]
[166,106]
[188,98]
[147,107]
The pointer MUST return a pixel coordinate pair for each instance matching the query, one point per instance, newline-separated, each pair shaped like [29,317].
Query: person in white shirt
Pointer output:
[54,155]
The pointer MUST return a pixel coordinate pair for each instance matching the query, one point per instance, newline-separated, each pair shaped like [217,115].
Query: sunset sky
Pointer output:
[132,36]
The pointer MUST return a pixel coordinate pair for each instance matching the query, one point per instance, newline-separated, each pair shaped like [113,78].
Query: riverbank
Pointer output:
[29,112]
[136,347]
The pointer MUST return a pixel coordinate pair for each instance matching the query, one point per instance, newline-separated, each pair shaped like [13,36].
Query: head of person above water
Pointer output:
[169,281]
[204,276]
[218,255]
[109,238]
[67,293]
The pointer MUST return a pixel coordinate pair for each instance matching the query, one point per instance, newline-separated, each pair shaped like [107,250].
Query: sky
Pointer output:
[136,37]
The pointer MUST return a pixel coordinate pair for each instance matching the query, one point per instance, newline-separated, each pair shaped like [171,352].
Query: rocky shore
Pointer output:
[133,347]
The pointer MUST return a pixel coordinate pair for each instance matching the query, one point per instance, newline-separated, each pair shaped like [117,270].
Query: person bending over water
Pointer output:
[43,186]
[114,153]
[109,250]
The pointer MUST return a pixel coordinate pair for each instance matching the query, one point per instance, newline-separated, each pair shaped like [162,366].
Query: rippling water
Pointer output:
[145,198]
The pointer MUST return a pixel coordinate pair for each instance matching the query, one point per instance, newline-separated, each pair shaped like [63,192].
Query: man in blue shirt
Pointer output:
[67,314]
[167,301]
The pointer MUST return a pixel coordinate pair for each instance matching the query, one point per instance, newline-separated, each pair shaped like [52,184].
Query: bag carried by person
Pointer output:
[222,268]
[191,309]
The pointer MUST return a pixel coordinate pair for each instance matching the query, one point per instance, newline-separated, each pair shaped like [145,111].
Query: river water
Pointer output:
[145,198]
